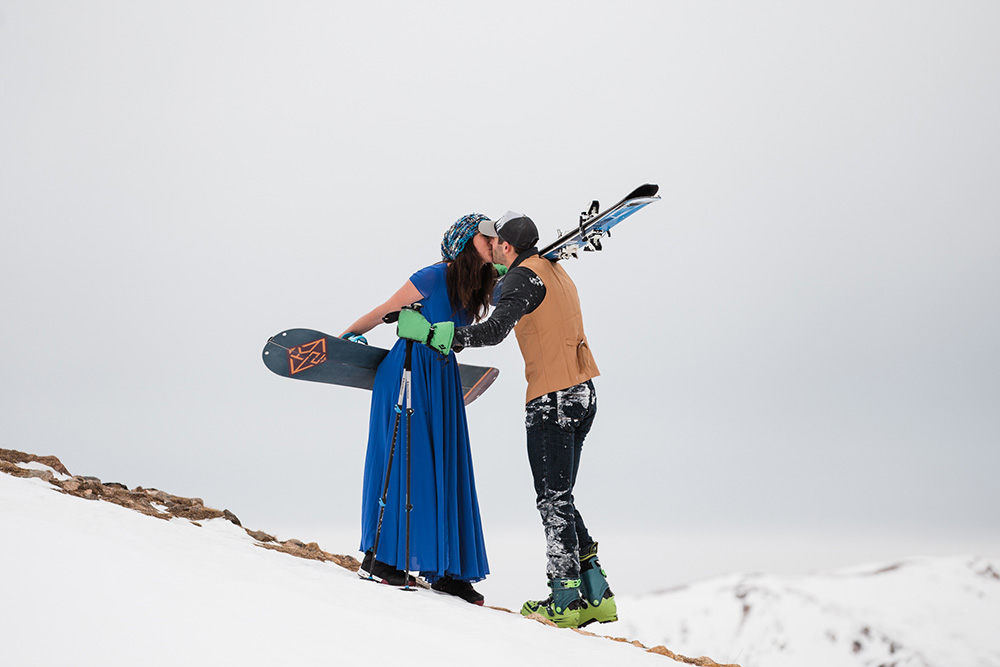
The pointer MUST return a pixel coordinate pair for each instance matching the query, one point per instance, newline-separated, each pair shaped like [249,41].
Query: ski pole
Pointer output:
[388,471]
[407,370]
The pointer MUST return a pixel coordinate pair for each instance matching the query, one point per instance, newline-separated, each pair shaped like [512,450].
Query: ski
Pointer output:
[595,224]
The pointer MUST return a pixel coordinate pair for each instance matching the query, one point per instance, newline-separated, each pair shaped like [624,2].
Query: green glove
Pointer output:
[413,325]
[501,269]
[442,335]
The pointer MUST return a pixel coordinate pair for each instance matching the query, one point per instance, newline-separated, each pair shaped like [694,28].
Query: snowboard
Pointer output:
[595,224]
[305,354]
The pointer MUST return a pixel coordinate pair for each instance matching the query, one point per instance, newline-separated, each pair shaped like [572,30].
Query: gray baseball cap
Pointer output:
[514,228]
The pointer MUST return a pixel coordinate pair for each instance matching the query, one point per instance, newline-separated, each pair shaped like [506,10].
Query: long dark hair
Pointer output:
[470,282]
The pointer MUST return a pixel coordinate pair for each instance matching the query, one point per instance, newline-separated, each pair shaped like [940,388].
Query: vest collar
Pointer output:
[523,256]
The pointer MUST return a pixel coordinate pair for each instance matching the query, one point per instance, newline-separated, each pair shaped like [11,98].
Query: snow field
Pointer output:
[113,587]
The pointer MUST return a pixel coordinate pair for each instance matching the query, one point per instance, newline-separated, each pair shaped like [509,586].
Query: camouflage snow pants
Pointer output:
[557,424]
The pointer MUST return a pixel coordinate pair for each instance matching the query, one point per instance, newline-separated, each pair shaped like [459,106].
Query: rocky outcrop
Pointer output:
[9,459]
[152,502]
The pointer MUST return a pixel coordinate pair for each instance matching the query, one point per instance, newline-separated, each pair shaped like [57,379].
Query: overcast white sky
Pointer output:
[799,342]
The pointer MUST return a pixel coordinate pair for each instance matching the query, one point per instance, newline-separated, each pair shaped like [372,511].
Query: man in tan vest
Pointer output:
[538,300]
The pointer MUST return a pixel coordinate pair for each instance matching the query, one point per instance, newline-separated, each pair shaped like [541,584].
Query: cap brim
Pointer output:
[486,228]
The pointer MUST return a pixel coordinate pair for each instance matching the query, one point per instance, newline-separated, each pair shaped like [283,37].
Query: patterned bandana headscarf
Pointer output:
[459,234]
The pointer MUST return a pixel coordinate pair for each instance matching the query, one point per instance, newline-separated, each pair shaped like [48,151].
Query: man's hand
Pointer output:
[442,335]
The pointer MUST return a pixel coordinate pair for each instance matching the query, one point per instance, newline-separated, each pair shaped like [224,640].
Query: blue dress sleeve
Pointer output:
[432,284]
[425,280]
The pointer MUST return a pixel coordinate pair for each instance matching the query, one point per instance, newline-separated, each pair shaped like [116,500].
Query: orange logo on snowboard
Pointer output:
[304,357]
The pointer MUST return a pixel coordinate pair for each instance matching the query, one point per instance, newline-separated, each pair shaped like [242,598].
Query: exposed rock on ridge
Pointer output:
[153,502]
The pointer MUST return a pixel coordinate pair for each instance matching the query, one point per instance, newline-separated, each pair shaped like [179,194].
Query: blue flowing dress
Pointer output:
[446,534]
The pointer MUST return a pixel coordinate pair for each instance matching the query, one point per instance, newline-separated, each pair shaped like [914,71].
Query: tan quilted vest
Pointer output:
[553,344]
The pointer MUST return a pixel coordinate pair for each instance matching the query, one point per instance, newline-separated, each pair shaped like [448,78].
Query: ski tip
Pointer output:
[647,190]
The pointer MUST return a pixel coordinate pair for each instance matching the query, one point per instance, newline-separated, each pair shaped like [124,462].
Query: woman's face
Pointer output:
[483,247]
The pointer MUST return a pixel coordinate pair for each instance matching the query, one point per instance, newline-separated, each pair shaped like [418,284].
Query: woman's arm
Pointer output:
[404,296]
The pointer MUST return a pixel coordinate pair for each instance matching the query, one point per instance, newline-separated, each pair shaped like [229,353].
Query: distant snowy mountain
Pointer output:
[923,612]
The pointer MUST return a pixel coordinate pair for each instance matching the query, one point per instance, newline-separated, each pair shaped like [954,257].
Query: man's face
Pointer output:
[497,246]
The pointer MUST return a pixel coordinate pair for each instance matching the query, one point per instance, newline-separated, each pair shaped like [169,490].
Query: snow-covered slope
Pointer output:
[96,583]
[93,583]
[942,612]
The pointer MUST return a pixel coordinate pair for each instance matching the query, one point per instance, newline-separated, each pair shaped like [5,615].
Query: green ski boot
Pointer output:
[562,607]
[599,601]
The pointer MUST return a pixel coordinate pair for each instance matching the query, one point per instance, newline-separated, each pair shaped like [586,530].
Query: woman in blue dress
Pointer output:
[446,535]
